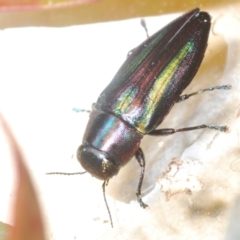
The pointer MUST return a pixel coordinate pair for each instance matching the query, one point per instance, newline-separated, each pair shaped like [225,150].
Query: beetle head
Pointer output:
[97,163]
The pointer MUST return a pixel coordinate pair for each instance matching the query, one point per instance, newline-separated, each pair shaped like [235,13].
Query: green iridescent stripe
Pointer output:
[143,54]
[127,97]
[161,84]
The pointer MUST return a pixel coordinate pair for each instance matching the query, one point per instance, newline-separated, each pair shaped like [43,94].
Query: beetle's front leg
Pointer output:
[141,161]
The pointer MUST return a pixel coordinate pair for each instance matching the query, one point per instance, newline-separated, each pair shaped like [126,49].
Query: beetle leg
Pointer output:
[186,96]
[144,25]
[80,110]
[141,161]
[169,131]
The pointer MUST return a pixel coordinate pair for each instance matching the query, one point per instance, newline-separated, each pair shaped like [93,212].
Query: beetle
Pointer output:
[140,96]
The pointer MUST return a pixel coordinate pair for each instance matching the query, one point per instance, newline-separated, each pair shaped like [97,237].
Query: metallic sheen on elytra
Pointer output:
[141,94]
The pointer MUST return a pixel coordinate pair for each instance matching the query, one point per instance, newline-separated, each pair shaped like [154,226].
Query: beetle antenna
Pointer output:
[62,173]
[105,200]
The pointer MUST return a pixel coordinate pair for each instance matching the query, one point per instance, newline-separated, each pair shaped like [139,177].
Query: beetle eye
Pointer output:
[97,163]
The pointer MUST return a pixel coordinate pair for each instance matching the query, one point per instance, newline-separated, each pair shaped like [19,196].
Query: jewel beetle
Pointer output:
[140,96]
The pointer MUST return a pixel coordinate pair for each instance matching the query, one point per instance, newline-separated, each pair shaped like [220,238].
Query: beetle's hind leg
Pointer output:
[186,96]
[141,161]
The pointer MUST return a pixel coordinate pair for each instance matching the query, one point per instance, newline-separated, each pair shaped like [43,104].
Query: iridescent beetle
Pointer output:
[141,94]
